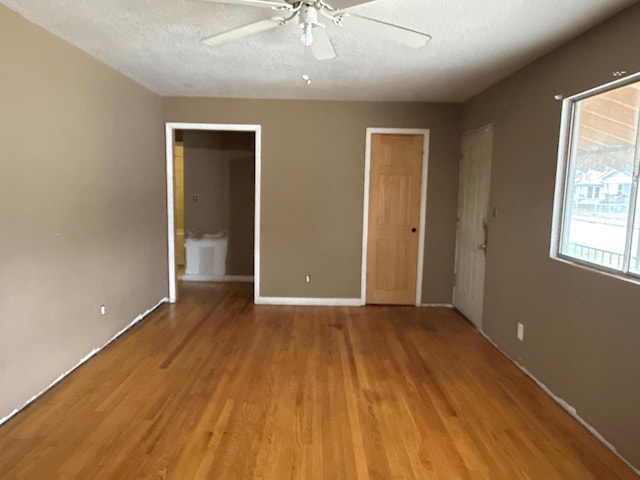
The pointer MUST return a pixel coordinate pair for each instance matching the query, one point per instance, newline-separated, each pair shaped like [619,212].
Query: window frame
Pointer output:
[565,172]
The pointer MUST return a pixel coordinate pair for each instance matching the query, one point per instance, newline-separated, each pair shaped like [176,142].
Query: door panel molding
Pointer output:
[423,203]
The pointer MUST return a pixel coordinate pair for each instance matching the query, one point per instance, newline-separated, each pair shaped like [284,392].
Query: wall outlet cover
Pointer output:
[520,333]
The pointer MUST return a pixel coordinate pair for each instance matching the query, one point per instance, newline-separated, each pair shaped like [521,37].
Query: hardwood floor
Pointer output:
[215,387]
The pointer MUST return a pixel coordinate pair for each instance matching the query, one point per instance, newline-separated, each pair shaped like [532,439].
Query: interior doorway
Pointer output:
[473,223]
[396,168]
[210,218]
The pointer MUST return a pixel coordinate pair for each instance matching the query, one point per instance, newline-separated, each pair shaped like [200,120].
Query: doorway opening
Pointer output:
[213,203]
[395,197]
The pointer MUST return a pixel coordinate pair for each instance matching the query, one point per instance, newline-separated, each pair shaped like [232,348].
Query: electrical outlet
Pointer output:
[520,333]
[307,278]
[103,310]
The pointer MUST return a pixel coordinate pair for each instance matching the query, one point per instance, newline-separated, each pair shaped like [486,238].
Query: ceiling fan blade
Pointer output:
[405,36]
[252,3]
[342,4]
[322,47]
[243,31]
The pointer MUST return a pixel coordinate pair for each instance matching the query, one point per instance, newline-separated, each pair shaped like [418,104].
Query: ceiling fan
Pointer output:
[307,14]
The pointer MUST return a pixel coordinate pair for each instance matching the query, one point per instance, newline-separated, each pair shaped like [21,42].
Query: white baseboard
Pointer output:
[82,360]
[189,277]
[325,302]
[564,404]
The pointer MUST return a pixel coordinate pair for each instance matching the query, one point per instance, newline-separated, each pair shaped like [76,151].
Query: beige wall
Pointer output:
[206,176]
[582,336]
[240,250]
[313,184]
[82,206]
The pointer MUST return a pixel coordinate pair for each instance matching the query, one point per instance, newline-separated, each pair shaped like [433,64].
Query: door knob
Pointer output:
[482,246]
[413,230]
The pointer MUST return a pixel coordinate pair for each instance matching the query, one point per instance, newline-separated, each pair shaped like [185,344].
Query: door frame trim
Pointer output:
[423,205]
[169,143]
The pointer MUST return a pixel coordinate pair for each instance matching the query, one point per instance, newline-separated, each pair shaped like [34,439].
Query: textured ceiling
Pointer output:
[157,43]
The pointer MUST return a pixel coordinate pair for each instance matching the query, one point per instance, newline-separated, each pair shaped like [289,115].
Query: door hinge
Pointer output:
[455,278]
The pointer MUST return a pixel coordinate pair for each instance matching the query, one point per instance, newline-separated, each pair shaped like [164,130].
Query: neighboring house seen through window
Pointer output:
[597,219]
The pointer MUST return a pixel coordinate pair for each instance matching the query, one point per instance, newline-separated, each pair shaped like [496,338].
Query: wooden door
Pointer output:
[473,208]
[395,184]
[178,202]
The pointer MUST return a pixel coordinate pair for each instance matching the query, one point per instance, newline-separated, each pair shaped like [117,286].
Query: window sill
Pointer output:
[629,278]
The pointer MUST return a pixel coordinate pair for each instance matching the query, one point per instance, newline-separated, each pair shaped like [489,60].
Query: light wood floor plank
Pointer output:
[217,388]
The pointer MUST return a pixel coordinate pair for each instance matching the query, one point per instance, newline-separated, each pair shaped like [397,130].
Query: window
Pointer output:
[597,219]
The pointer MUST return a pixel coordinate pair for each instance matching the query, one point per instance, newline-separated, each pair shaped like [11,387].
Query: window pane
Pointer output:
[600,176]
[634,266]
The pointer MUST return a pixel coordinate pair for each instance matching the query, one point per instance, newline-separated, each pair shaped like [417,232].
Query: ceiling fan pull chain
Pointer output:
[305,64]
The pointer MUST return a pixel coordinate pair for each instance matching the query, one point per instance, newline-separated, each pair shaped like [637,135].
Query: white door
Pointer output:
[473,209]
